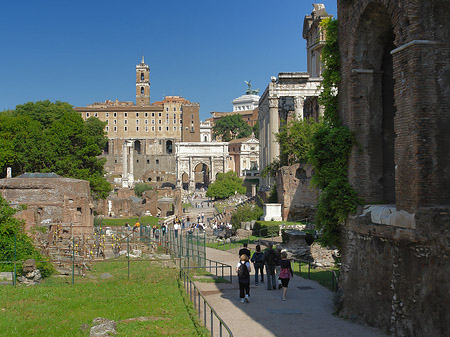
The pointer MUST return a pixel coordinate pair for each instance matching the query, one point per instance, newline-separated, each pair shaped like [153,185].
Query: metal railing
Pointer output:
[198,299]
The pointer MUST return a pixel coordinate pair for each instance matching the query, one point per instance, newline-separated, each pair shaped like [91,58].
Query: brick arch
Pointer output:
[372,85]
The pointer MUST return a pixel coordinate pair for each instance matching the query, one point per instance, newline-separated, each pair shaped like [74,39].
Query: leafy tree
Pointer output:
[246,212]
[140,188]
[52,137]
[231,127]
[226,185]
[11,227]
[255,130]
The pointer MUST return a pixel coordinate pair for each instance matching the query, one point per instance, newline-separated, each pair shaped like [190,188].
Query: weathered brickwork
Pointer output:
[395,96]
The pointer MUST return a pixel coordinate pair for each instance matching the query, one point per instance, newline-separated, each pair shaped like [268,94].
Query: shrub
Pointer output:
[265,228]
[140,188]
[247,212]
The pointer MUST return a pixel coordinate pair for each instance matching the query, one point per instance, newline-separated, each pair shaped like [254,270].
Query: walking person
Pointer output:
[277,267]
[244,250]
[285,273]
[258,263]
[270,263]
[243,270]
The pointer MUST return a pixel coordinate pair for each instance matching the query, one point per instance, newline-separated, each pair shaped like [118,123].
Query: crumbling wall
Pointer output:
[297,197]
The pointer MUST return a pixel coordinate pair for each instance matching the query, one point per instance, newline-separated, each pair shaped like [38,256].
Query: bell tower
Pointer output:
[142,84]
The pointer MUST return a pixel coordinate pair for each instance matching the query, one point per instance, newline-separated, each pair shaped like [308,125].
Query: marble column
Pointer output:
[298,107]
[131,174]
[124,165]
[274,147]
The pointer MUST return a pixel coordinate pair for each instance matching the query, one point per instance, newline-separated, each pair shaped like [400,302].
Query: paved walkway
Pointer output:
[308,310]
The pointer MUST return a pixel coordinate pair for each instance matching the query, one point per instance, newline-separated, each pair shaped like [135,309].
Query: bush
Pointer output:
[247,212]
[141,188]
[265,228]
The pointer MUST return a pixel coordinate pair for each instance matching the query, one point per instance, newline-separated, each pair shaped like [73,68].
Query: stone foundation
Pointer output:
[396,278]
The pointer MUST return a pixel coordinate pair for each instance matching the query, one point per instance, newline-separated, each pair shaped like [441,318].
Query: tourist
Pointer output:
[176,227]
[285,273]
[244,250]
[277,267]
[258,263]
[270,263]
[243,270]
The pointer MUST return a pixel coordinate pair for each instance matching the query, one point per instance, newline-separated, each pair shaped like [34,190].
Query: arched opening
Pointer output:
[185,181]
[374,87]
[137,146]
[142,76]
[201,173]
[106,148]
[169,147]
[142,90]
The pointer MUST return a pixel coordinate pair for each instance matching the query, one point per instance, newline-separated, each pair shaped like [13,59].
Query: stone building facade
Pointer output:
[51,200]
[292,94]
[244,153]
[141,136]
[395,96]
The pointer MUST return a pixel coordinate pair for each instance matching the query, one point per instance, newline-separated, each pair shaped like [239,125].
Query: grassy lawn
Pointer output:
[56,308]
[145,220]
[322,276]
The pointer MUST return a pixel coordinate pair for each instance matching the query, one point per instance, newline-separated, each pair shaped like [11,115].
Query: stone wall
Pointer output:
[397,278]
[297,197]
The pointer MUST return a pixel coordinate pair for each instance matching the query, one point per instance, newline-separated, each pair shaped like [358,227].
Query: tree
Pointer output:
[231,127]
[226,185]
[11,228]
[246,212]
[140,188]
[52,137]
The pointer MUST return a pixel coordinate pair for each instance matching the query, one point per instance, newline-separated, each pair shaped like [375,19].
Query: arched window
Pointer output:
[142,76]
[142,90]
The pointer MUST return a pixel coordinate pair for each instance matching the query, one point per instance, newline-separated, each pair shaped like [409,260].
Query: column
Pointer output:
[274,147]
[131,174]
[191,187]
[124,165]
[298,107]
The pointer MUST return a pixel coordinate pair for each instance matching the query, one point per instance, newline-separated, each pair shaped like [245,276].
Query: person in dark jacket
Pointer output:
[245,251]
[270,263]
[258,262]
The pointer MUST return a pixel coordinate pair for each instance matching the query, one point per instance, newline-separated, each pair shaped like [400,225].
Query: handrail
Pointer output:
[190,286]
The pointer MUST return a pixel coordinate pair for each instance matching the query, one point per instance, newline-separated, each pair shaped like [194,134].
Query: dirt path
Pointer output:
[308,310]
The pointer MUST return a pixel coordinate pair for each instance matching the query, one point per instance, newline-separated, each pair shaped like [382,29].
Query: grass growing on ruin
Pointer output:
[144,221]
[56,308]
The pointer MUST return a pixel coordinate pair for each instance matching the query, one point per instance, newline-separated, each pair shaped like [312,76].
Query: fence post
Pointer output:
[73,259]
[128,255]
[15,259]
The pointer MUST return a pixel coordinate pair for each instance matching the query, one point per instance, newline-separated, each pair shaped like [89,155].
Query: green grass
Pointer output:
[144,221]
[320,275]
[188,205]
[56,308]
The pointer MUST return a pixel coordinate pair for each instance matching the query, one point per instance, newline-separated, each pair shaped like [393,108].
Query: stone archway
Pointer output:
[201,175]
[185,181]
[373,79]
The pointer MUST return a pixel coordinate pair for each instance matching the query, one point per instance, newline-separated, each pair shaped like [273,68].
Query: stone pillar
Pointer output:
[124,165]
[191,187]
[131,173]
[253,190]
[298,107]
[274,147]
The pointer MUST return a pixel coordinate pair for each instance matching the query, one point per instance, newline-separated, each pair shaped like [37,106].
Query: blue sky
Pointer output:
[86,51]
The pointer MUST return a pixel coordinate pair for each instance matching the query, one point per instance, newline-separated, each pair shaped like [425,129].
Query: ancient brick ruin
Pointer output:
[395,96]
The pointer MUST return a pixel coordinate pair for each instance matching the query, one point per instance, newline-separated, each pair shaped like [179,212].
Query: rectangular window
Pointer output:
[146,122]
[115,114]
[146,114]
[174,108]
[167,116]
[107,129]
[95,114]
[125,122]
[167,109]
[107,114]
[87,114]
[146,129]
[115,122]
[125,114]
[115,129]
[167,128]
[174,128]
[181,121]
[167,121]
[153,128]
[153,121]
[174,121]
[137,114]
[137,121]
[159,121]
[159,128]
[137,128]
[153,114]
[160,114]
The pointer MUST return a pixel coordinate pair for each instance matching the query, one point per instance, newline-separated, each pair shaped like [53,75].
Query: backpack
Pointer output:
[243,271]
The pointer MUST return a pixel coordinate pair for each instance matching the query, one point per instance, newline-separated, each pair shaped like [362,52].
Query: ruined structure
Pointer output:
[51,199]
[395,96]
[297,197]
[292,94]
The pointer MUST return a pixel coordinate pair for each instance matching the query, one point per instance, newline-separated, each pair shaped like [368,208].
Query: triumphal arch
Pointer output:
[197,164]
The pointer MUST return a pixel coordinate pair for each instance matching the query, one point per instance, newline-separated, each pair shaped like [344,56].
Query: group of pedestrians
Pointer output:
[276,264]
